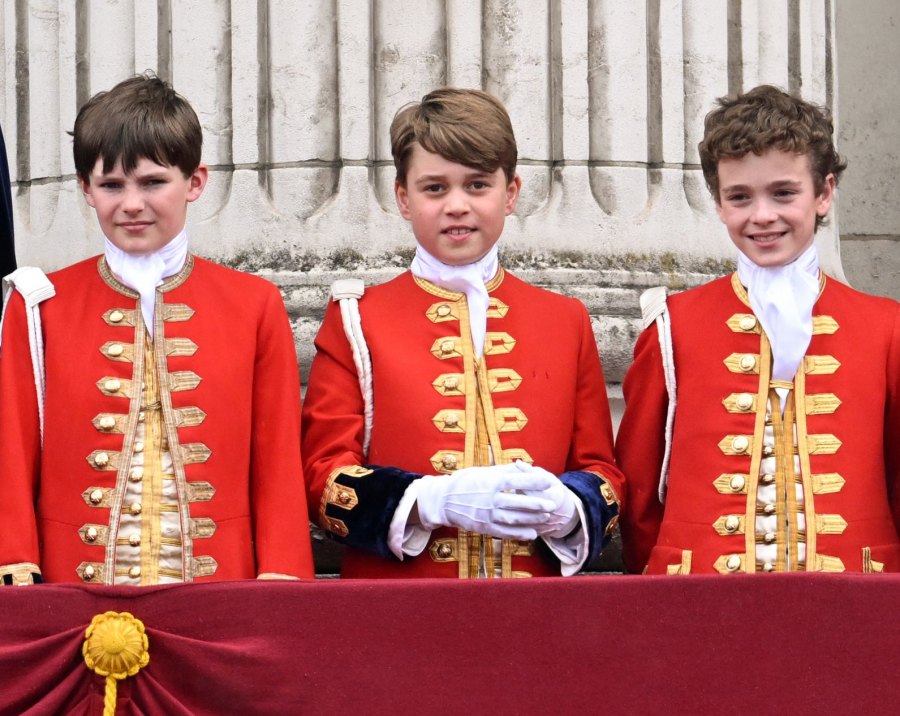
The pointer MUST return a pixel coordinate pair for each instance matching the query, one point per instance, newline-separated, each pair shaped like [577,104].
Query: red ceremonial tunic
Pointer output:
[222,373]
[538,394]
[835,485]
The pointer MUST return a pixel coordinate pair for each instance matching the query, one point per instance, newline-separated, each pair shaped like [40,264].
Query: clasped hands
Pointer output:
[517,501]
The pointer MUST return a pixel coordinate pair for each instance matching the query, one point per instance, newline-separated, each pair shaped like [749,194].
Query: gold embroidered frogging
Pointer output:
[477,556]
[780,486]
[149,536]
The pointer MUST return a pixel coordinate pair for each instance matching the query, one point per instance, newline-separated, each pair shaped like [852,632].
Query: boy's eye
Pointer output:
[479,185]
[737,197]
[433,188]
[110,185]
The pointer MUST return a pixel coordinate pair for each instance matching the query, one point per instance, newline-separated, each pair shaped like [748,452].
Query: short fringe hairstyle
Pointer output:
[141,117]
[466,126]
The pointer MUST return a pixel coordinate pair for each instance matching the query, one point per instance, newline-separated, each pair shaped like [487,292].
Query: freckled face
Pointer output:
[769,205]
[143,210]
[457,212]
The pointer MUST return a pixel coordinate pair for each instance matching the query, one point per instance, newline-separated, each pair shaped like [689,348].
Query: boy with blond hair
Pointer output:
[763,410]
[167,448]
[463,431]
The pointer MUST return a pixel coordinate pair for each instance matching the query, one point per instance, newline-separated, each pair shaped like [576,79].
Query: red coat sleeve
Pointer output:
[278,502]
[332,410]
[20,442]
[640,447]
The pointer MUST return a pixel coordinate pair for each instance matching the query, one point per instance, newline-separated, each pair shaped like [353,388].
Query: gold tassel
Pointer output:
[115,646]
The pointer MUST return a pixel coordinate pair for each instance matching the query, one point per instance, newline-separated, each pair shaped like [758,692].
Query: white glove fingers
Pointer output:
[530,501]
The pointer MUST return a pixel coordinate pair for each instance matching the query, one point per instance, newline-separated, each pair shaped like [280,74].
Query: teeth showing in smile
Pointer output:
[457,231]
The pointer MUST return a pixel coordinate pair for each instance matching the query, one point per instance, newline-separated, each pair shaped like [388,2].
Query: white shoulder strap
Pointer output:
[35,287]
[347,292]
[655,310]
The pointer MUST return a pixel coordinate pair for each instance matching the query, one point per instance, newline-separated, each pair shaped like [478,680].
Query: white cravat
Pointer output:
[144,272]
[782,297]
[469,279]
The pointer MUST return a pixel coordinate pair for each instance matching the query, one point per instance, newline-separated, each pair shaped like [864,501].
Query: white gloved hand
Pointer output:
[563,516]
[500,500]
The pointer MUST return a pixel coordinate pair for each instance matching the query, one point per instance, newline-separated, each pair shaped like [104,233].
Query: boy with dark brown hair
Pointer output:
[763,409]
[165,445]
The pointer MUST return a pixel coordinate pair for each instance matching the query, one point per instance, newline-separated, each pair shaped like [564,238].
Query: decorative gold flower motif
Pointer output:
[115,645]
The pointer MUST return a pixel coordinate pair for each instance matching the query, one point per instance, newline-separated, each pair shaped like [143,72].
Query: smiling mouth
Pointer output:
[458,231]
[767,238]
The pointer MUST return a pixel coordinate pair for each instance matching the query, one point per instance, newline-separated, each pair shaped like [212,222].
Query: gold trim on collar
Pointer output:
[436,290]
[168,284]
[744,297]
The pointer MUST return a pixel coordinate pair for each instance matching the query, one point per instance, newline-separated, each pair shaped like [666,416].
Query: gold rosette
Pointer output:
[115,646]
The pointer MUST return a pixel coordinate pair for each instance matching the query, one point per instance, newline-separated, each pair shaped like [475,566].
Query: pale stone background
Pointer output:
[607,98]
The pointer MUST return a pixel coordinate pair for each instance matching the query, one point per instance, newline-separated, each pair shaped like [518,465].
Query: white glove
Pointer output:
[500,500]
[562,517]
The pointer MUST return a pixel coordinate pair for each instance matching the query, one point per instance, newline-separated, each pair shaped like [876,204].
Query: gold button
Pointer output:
[737,483]
[101,459]
[116,349]
[134,540]
[142,416]
[732,523]
[733,563]
[451,420]
[740,443]
[134,572]
[769,509]
[745,401]
[769,537]
[747,323]
[89,573]
[139,446]
[451,383]
[443,310]
[444,550]
[112,385]
[449,462]
[164,443]
[768,567]
[768,478]
[107,422]
[135,508]
[137,474]
[448,346]
[91,534]
[344,497]
[116,316]
[96,496]
[748,362]
[768,450]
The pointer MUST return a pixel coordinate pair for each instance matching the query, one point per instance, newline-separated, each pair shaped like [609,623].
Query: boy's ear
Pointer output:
[198,182]
[825,197]
[512,194]
[402,197]
[86,190]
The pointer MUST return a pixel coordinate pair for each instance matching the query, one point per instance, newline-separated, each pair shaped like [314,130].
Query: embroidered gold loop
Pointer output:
[341,496]
[820,365]
[177,312]
[183,380]
[119,317]
[204,566]
[729,525]
[822,403]
[731,484]
[336,526]
[114,350]
[202,527]
[498,343]
[194,453]
[443,311]
[200,491]
[826,563]
[830,524]
[740,403]
[735,445]
[729,564]
[824,444]
[501,380]
[510,420]
[746,363]
[827,483]
[496,308]
[180,347]
[114,387]
[824,325]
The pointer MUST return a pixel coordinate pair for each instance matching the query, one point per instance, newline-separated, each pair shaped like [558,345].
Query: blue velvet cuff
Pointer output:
[600,507]
[361,505]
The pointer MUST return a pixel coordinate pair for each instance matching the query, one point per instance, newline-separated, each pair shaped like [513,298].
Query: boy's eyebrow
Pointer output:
[475,174]
[771,185]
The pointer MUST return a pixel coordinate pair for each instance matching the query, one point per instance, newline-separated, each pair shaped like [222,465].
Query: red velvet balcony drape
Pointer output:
[677,645]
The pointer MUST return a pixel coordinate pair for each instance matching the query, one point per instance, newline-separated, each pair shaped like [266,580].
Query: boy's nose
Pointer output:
[132,201]
[763,212]
[457,203]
